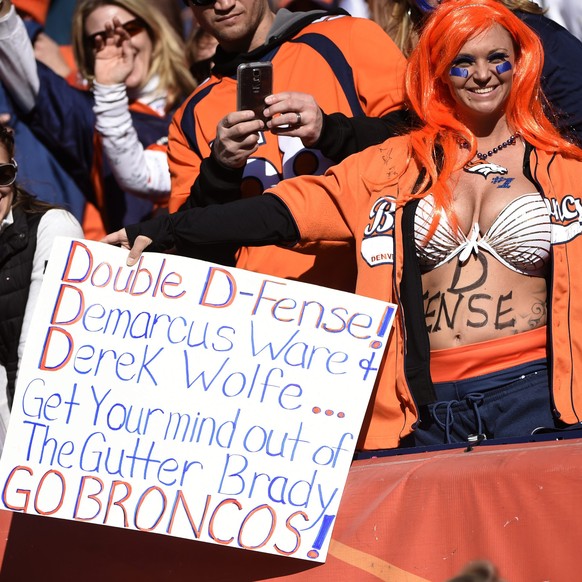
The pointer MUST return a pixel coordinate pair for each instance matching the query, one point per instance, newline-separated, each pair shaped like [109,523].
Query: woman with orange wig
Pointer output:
[472,224]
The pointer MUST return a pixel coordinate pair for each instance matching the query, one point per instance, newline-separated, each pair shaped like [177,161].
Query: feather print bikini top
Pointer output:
[519,238]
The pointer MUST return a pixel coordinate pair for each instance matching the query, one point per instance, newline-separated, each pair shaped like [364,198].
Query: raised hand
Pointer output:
[114,54]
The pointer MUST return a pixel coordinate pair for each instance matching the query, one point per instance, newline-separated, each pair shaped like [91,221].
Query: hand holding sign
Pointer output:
[178,397]
[120,238]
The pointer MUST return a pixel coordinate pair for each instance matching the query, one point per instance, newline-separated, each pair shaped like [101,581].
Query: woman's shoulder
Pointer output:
[59,222]
[379,166]
[393,152]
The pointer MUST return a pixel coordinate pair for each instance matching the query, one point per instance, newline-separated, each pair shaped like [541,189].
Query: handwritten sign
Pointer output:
[191,400]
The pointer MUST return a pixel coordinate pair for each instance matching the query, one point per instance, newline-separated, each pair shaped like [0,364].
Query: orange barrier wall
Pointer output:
[408,518]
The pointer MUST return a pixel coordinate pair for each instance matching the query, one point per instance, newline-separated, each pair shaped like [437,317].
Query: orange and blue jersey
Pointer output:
[349,65]
[362,198]
[366,200]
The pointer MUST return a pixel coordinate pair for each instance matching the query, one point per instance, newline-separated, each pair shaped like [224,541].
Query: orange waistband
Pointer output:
[486,357]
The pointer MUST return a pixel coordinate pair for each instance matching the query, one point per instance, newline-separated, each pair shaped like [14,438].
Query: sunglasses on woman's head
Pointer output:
[199,2]
[132,27]
[8,173]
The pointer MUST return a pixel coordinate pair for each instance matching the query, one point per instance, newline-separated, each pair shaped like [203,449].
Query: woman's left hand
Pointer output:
[114,54]
[119,238]
[295,114]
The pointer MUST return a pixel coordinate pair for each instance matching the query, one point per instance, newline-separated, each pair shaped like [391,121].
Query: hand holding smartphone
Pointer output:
[254,83]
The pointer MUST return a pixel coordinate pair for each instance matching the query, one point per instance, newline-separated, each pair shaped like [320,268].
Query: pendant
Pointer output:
[484,168]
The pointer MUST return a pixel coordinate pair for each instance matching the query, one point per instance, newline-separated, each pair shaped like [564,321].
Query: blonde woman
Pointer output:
[113,137]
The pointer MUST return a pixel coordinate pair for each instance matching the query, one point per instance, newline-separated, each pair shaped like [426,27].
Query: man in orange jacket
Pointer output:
[322,62]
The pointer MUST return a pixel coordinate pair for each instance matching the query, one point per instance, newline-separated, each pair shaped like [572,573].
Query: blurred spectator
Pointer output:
[28,228]
[568,13]
[401,19]
[123,169]
[39,171]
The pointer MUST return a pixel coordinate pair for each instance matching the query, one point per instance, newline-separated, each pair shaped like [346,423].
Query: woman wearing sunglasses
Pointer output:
[27,230]
[113,138]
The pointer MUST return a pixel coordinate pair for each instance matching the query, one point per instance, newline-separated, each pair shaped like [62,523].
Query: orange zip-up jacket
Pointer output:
[358,200]
[350,66]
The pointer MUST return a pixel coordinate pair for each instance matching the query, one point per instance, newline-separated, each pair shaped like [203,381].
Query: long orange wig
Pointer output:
[448,28]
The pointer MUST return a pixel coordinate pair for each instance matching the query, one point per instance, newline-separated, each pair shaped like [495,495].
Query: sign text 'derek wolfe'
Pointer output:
[138,282]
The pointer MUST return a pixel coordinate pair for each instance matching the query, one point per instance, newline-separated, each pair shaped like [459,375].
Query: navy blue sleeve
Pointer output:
[64,121]
[562,73]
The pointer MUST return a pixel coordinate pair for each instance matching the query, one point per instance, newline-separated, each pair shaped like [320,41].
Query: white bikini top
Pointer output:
[519,238]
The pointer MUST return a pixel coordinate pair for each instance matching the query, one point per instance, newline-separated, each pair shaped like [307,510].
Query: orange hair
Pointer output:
[447,29]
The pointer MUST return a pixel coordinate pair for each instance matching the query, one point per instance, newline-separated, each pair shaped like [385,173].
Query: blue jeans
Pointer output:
[508,403]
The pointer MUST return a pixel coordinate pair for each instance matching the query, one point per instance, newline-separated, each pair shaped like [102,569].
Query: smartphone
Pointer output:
[254,83]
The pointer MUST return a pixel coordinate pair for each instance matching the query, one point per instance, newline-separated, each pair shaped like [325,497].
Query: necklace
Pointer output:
[483,168]
[501,146]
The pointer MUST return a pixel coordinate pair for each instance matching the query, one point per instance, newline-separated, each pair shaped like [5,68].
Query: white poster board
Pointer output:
[191,400]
